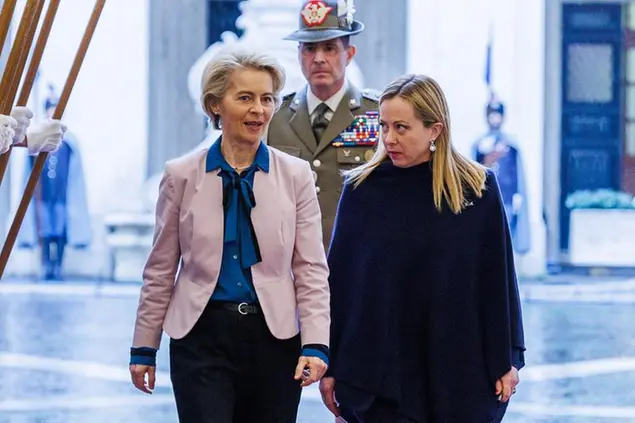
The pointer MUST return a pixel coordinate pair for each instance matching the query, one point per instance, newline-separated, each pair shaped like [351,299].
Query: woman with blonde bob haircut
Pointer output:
[427,323]
[237,275]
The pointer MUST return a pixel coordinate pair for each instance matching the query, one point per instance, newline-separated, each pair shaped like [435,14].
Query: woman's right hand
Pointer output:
[138,374]
[327,389]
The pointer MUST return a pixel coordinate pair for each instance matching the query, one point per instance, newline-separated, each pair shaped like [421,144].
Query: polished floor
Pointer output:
[64,349]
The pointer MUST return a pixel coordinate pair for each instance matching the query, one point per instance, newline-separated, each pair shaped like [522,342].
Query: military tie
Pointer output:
[320,122]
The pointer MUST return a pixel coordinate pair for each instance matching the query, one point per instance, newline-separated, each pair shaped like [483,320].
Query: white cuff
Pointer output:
[7,132]
[23,116]
[45,137]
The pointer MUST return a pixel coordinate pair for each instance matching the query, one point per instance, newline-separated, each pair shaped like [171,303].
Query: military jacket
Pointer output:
[348,141]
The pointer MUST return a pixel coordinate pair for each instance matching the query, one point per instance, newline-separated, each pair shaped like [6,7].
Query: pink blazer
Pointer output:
[291,281]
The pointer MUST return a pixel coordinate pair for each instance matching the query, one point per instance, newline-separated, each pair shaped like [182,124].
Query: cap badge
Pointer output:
[315,12]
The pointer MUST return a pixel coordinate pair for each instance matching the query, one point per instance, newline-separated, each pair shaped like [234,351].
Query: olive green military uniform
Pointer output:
[351,134]
[343,146]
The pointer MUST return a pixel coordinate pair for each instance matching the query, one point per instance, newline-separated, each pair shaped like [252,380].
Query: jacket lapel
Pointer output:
[301,121]
[208,215]
[342,117]
[265,217]
[264,187]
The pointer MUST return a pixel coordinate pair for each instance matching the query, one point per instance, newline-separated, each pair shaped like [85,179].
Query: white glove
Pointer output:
[45,137]
[7,132]
[517,203]
[23,116]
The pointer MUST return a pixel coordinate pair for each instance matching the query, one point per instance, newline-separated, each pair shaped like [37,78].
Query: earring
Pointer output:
[433,147]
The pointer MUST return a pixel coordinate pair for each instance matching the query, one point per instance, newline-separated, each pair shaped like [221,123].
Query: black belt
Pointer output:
[242,308]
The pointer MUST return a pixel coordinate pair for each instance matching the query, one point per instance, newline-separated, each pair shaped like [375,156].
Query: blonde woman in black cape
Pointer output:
[426,318]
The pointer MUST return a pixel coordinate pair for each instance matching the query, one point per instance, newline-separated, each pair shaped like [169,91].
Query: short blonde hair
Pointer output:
[454,177]
[218,72]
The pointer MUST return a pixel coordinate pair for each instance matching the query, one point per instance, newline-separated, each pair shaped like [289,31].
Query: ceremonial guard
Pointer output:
[330,122]
[498,151]
[58,215]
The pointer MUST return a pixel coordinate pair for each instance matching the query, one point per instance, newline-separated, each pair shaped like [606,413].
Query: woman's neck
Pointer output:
[239,155]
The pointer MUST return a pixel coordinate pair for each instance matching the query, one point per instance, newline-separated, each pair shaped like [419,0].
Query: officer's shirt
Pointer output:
[312,102]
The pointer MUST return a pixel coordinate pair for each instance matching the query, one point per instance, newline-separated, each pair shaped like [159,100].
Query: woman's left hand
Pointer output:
[310,370]
[506,386]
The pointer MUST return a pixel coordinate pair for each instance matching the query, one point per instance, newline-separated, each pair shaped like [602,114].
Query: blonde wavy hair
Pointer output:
[454,176]
[218,71]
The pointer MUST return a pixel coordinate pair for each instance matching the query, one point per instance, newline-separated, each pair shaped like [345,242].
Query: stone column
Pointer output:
[178,36]
[382,46]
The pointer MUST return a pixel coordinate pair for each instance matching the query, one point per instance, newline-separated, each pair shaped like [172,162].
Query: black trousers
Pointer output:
[231,369]
[381,411]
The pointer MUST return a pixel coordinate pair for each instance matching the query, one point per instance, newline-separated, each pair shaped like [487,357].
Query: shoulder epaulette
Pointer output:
[371,94]
[288,96]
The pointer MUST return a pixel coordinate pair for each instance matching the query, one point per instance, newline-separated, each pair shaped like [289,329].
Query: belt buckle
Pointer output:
[240,309]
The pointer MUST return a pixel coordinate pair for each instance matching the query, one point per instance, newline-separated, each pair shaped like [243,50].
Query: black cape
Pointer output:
[425,305]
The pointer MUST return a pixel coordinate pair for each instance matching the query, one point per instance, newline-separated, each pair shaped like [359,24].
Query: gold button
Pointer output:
[369,154]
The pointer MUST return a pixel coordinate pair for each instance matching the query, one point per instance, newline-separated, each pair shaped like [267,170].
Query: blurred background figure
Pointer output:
[498,151]
[60,215]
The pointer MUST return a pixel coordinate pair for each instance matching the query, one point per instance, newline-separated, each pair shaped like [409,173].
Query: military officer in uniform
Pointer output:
[498,151]
[330,123]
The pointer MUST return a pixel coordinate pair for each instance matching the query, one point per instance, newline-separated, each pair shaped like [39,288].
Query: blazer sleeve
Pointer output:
[501,310]
[309,266]
[161,267]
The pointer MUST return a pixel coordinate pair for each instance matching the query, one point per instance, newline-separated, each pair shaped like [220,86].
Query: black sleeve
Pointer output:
[518,358]
[337,251]
[501,311]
